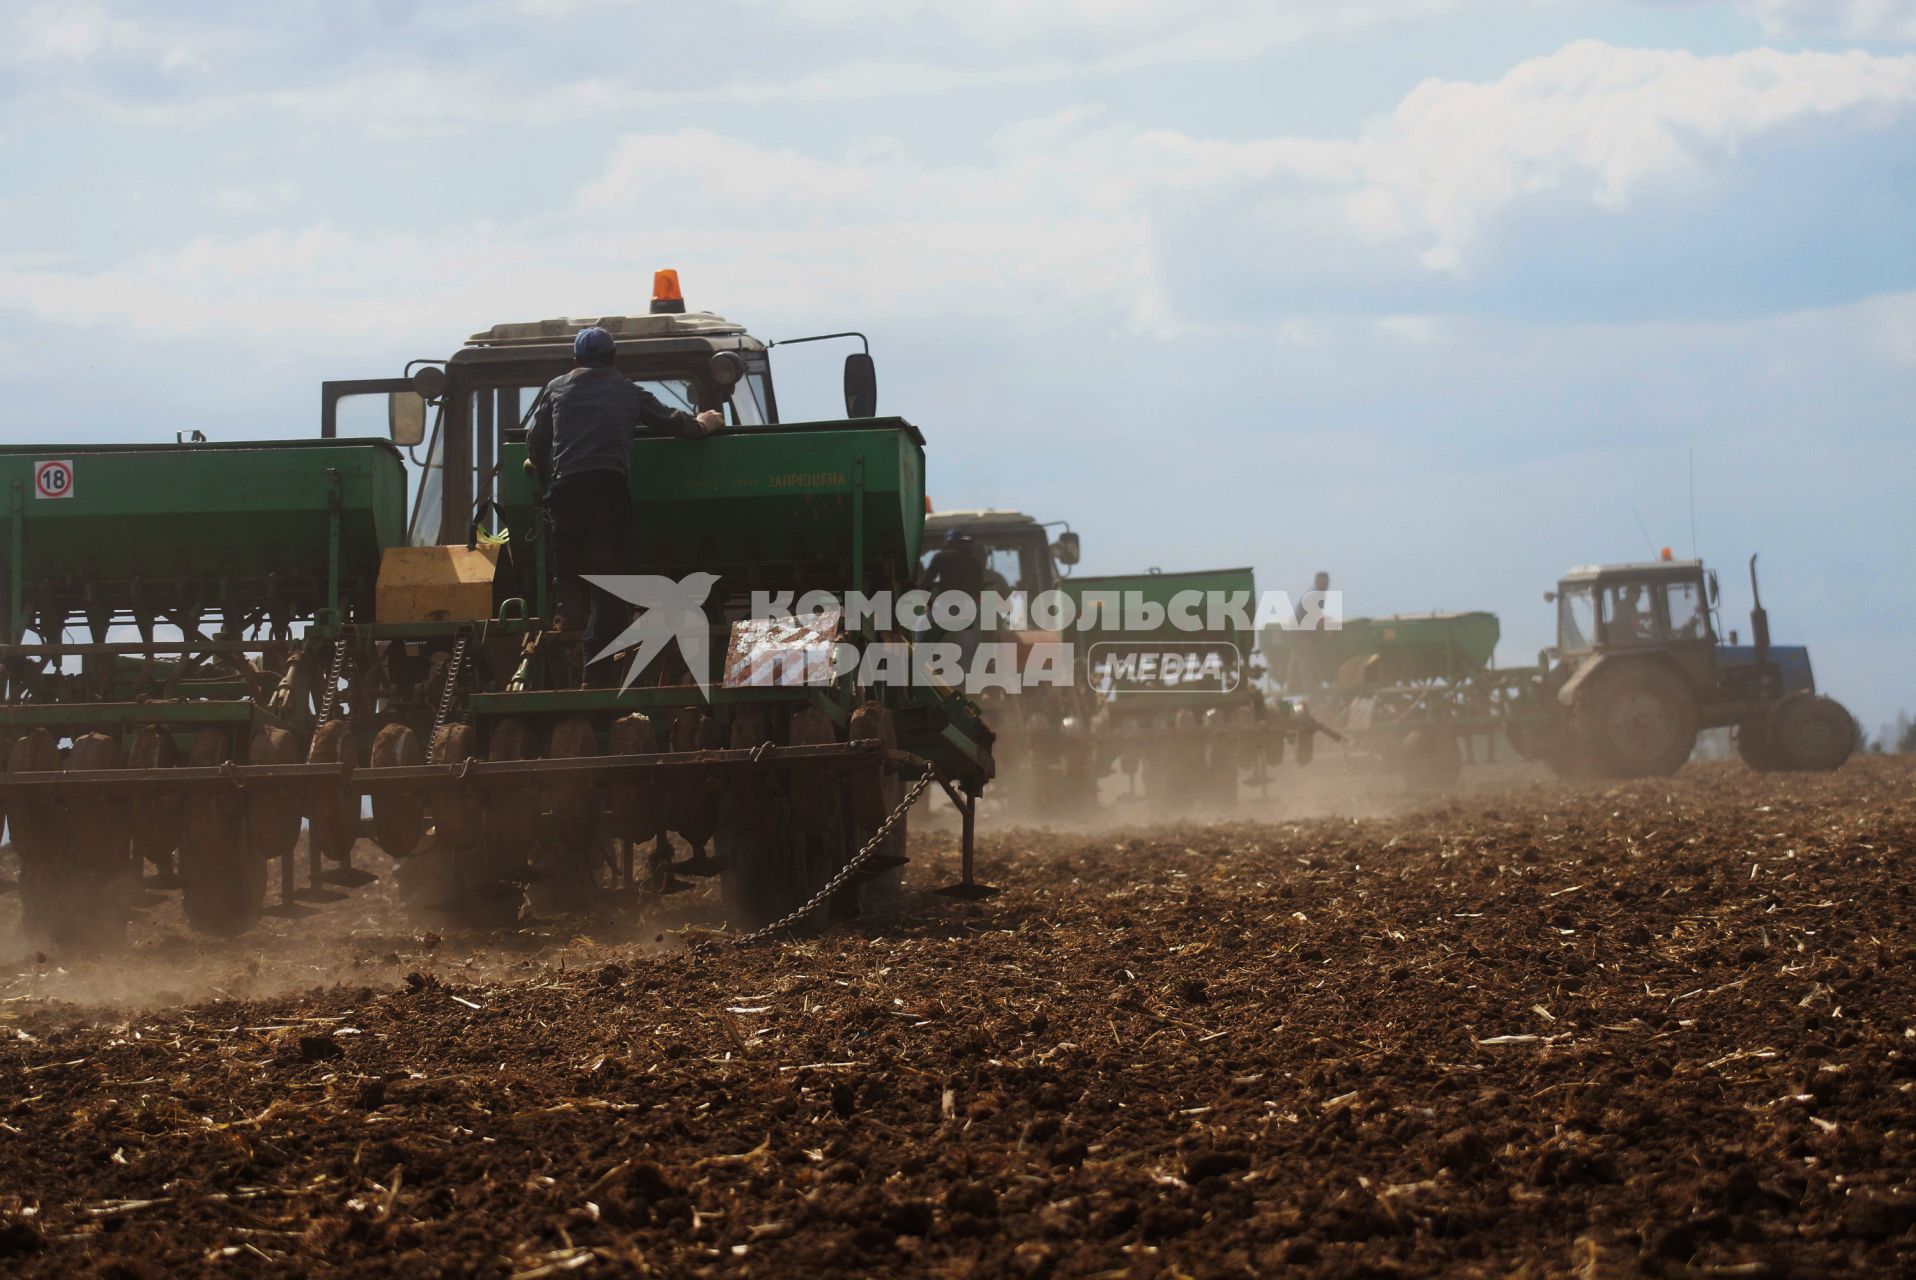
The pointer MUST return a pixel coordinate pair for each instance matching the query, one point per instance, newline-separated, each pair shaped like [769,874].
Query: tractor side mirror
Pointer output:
[406,418]
[1550,597]
[861,386]
[1065,549]
[1714,594]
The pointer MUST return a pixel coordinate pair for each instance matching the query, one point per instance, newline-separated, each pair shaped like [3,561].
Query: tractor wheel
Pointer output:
[1811,734]
[1431,760]
[1753,744]
[1640,722]
[222,880]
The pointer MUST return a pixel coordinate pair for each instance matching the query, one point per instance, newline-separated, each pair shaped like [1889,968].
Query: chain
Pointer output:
[446,693]
[845,872]
[329,697]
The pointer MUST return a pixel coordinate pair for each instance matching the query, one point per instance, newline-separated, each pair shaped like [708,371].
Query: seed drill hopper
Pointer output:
[1416,691]
[1180,715]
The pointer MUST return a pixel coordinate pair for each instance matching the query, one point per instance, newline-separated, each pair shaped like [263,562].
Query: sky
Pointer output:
[1442,296]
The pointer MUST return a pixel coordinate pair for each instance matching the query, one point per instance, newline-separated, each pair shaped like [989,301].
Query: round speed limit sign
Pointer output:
[53,479]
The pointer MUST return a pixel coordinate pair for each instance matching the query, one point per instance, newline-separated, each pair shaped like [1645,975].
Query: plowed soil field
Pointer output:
[1665,1028]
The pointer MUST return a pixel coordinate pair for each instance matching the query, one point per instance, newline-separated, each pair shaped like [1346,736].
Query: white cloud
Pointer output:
[1592,122]
[79,32]
[1893,322]
[918,48]
[1072,209]
[1848,19]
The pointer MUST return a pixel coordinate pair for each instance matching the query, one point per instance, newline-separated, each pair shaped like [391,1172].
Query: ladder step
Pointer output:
[350,877]
[312,893]
[289,911]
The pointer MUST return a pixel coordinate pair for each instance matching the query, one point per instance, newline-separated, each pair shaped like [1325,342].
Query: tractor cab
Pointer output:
[465,409]
[1661,606]
[1018,551]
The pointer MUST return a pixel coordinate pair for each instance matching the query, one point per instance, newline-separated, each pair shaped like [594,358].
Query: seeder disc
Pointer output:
[399,817]
[155,816]
[574,805]
[222,880]
[334,817]
[458,819]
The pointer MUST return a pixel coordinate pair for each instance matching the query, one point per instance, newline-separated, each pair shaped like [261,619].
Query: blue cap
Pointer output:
[593,345]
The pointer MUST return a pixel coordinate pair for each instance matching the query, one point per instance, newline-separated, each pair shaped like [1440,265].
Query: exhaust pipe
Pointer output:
[1759,619]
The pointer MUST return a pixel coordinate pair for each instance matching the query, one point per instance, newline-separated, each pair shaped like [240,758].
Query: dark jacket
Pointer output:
[585,421]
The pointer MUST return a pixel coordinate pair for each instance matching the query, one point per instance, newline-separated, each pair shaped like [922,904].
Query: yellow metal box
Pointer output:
[435,584]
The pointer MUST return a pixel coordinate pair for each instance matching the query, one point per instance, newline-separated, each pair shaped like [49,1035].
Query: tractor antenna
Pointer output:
[1644,529]
[1693,554]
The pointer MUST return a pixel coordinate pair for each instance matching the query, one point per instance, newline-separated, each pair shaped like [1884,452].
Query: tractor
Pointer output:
[1641,667]
[213,653]
[1043,748]
[1182,740]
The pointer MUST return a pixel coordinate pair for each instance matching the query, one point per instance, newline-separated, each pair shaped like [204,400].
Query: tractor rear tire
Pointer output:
[1811,734]
[1641,721]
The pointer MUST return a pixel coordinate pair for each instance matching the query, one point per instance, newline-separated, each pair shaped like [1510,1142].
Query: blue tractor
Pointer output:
[1640,669]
